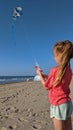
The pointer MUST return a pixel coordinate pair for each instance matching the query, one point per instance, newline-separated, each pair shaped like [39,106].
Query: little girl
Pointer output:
[57,83]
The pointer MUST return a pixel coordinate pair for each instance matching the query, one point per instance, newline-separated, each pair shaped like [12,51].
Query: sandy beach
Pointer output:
[25,106]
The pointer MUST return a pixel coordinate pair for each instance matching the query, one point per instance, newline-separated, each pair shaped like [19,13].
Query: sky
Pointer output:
[41,25]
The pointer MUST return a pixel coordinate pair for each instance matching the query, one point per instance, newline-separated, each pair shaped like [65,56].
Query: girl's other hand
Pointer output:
[38,71]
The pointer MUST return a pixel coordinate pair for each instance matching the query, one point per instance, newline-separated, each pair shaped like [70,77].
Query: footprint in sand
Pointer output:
[36,126]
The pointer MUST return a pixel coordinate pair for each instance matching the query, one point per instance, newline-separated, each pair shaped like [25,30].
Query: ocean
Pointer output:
[14,79]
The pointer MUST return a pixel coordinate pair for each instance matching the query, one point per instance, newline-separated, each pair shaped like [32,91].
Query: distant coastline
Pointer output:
[14,79]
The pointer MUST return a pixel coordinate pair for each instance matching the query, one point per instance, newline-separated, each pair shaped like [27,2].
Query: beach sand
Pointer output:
[25,106]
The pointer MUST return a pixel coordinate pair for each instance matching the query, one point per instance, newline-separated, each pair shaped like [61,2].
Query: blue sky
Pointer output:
[43,22]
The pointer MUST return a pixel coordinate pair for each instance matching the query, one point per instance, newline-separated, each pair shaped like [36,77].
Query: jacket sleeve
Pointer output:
[49,82]
[45,76]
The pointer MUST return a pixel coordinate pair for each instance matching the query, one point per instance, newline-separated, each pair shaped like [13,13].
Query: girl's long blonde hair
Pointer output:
[65,49]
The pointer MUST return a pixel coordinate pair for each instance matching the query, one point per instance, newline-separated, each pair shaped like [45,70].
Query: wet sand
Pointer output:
[25,106]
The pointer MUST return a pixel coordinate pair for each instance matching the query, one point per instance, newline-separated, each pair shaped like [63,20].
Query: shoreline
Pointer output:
[16,82]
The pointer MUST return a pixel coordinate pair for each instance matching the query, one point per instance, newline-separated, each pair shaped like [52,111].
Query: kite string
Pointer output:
[29,44]
[13,33]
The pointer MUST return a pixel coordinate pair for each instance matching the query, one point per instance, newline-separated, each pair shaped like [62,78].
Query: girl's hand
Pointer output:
[38,71]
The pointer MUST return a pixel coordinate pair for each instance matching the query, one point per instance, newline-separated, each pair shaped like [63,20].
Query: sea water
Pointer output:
[13,79]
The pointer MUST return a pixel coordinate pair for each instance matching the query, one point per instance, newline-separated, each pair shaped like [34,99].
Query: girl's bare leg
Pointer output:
[68,124]
[59,124]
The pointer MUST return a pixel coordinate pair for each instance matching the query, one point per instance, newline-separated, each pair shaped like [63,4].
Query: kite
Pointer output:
[17,12]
